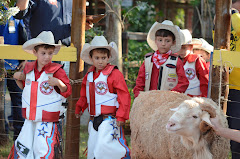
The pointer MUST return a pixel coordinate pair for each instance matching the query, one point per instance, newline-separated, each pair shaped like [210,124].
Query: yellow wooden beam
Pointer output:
[226,58]
[16,52]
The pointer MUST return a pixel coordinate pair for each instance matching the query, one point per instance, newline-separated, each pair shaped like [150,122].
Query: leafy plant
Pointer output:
[7,9]
[95,31]
[139,18]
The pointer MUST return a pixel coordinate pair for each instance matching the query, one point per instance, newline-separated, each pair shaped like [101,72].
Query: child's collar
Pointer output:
[106,71]
[48,68]
[191,57]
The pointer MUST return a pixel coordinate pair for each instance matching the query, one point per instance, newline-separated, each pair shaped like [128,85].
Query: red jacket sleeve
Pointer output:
[124,99]
[140,81]
[81,104]
[202,74]
[182,79]
[61,75]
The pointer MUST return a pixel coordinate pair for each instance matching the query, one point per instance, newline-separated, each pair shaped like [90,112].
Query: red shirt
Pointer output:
[201,71]
[140,82]
[54,68]
[117,85]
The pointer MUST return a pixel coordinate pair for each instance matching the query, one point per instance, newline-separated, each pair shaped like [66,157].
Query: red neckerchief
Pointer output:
[159,59]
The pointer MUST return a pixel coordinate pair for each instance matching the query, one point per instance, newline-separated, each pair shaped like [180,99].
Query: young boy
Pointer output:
[194,66]
[162,70]
[106,95]
[45,86]
[202,48]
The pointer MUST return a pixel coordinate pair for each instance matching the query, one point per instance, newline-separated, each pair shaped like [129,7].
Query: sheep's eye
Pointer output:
[194,116]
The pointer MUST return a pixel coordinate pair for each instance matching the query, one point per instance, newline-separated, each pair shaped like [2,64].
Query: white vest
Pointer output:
[194,83]
[168,74]
[103,98]
[41,102]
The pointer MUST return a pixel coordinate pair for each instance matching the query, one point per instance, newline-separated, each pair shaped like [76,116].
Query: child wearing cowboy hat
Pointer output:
[194,66]
[105,94]
[162,70]
[203,49]
[45,86]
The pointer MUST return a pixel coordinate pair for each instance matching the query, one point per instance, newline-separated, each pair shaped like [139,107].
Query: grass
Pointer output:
[4,150]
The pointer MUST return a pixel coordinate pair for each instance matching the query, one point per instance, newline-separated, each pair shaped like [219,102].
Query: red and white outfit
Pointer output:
[157,70]
[105,93]
[41,108]
[197,73]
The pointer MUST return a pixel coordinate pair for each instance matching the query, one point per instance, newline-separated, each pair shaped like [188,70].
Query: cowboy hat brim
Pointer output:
[155,27]
[45,37]
[85,56]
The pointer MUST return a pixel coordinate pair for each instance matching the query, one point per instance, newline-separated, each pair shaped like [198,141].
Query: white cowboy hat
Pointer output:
[186,37]
[206,46]
[167,25]
[202,44]
[45,37]
[197,43]
[99,42]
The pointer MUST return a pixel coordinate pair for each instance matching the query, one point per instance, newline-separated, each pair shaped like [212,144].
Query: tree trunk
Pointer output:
[219,76]
[114,29]
[76,72]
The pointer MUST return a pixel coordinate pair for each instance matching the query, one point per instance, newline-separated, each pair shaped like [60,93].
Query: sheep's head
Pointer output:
[191,117]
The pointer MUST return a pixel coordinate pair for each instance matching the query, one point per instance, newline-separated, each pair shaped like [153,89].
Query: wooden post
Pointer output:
[125,52]
[221,41]
[114,29]
[76,72]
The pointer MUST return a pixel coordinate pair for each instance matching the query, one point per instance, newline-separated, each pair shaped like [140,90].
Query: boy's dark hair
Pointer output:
[45,46]
[102,50]
[164,33]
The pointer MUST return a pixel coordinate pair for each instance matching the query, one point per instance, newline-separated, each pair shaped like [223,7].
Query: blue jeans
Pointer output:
[16,106]
[233,110]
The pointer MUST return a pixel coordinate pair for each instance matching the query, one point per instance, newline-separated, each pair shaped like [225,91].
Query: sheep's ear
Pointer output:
[174,109]
[205,124]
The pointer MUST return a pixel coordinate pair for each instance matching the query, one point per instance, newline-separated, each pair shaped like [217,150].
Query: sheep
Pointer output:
[149,120]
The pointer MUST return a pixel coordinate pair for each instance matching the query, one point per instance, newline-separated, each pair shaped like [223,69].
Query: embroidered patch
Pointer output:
[170,85]
[115,135]
[172,75]
[171,79]
[171,66]
[190,73]
[42,132]
[45,88]
[101,88]
[23,150]
[27,81]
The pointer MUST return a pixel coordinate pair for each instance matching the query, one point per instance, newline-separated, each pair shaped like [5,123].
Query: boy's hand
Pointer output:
[19,76]
[79,115]
[120,123]
[22,65]
[52,81]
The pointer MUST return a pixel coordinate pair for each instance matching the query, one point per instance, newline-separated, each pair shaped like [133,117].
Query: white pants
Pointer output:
[36,140]
[108,142]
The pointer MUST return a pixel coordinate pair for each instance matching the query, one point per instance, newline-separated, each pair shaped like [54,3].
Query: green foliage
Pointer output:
[11,10]
[179,18]
[95,31]
[137,51]
[7,3]
[139,18]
